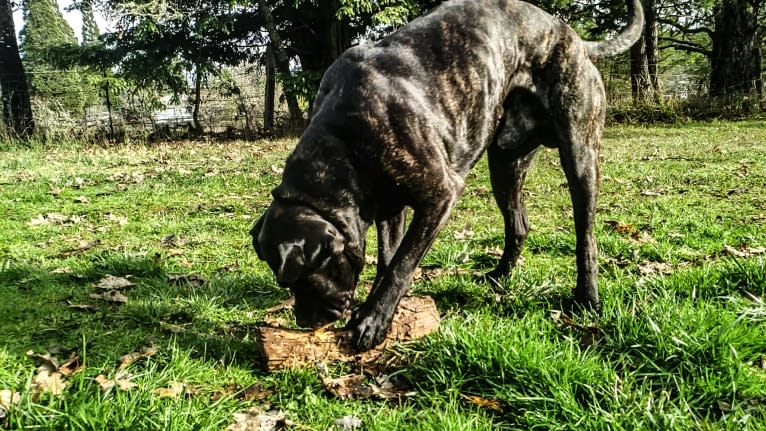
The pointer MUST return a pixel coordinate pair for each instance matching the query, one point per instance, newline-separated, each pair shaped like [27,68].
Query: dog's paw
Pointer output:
[368,329]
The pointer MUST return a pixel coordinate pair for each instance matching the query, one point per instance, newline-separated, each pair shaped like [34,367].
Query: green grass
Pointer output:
[681,343]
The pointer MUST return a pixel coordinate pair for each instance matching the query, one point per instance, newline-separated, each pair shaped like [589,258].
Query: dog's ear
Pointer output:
[254,232]
[292,262]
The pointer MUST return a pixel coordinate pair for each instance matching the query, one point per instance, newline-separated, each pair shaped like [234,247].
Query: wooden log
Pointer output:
[281,348]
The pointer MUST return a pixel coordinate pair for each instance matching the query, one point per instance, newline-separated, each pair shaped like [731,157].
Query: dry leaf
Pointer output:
[744,251]
[191,280]
[48,380]
[46,359]
[116,219]
[350,387]
[55,219]
[348,423]
[172,240]
[71,366]
[130,358]
[464,233]
[483,402]
[284,305]
[110,282]
[174,390]
[255,419]
[9,398]
[121,380]
[355,387]
[652,268]
[622,228]
[256,392]
[81,200]
[82,307]
[110,296]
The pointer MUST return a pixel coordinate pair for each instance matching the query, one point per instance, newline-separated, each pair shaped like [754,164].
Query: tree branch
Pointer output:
[687,46]
[685,29]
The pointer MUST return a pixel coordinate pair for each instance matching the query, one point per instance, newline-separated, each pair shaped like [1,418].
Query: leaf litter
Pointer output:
[256,419]
[50,377]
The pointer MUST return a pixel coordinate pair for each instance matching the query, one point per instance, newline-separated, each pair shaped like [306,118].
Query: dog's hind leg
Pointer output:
[507,174]
[581,124]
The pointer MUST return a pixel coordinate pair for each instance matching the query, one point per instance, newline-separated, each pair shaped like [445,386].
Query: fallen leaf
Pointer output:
[110,282]
[82,245]
[61,270]
[130,358]
[255,419]
[172,240]
[350,387]
[121,220]
[483,402]
[81,200]
[54,219]
[284,305]
[71,366]
[174,390]
[743,251]
[626,229]
[47,380]
[111,296]
[652,268]
[370,260]
[355,387]
[276,170]
[46,359]
[121,380]
[191,280]
[348,423]
[54,191]
[82,307]
[9,398]
[256,392]
[464,233]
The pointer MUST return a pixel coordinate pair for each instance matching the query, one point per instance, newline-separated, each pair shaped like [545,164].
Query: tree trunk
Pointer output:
[268,104]
[736,59]
[644,55]
[14,93]
[197,100]
[282,60]
[651,39]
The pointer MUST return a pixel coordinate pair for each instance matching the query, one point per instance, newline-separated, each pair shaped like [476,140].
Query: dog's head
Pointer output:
[307,255]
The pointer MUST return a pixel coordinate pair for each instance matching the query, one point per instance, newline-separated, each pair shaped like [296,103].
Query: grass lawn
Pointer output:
[681,343]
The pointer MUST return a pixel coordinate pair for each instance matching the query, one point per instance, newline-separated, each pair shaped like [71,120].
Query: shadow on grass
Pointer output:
[214,320]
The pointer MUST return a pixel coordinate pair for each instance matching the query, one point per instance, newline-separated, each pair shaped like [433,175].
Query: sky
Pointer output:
[73,18]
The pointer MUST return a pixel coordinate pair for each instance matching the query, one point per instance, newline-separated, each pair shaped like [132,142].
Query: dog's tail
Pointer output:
[625,39]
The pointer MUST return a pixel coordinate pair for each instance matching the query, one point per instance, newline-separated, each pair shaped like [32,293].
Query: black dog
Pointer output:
[401,122]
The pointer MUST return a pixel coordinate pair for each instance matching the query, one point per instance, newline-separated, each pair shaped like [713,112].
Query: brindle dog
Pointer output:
[400,123]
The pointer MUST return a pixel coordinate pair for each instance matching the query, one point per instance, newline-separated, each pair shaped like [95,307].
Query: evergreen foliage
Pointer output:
[46,29]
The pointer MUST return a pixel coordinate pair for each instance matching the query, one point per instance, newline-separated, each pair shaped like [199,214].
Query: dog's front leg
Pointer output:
[372,320]
[390,232]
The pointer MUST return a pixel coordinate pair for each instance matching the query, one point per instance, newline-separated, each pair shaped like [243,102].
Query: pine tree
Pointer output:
[90,31]
[45,28]
[14,94]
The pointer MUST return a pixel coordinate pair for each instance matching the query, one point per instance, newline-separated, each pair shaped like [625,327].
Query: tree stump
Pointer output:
[281,348]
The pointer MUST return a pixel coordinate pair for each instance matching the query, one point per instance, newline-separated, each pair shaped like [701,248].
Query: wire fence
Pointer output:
[235,107]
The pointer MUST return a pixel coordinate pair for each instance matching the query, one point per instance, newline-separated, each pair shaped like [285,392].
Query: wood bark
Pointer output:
[14,92]
[644,56]
[282,348]
[270,90]
[736,56]
[282,60]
